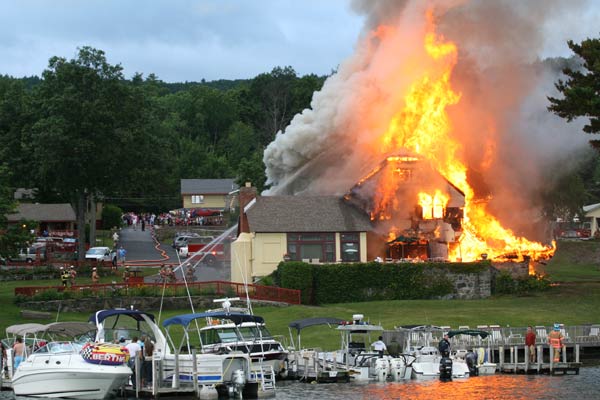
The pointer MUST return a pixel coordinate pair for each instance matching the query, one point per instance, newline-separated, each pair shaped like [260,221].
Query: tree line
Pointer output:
[84,131]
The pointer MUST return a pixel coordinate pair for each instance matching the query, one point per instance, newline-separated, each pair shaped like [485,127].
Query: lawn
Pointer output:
[576,300]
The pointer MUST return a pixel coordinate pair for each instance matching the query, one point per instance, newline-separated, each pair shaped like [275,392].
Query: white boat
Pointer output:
[233,372]
[427,364]
[57,369]
[358,358]
[235,329]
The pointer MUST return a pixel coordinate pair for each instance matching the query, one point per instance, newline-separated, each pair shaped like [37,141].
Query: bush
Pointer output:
[506,284]
[338,283]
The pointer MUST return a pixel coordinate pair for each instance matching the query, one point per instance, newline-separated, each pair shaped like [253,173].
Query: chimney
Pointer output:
[247,194]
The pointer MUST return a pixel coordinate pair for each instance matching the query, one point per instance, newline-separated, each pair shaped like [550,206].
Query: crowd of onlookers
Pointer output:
[177,217]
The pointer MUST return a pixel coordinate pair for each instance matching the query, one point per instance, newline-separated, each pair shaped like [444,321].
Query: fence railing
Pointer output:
[220,288]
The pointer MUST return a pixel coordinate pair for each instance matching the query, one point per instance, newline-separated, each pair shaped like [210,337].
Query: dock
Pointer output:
[519,361]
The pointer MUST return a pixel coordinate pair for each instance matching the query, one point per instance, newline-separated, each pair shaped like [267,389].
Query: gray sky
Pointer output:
[189,40]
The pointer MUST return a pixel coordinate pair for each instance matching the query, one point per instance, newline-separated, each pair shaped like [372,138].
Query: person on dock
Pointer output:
[95,276]
[135,350]
[379,346]
[530,343]
[444,346]
[18,350]
[556,340]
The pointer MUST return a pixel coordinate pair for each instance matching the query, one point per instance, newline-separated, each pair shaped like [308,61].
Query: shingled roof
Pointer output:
[306,214]
[43,212]
[207,186]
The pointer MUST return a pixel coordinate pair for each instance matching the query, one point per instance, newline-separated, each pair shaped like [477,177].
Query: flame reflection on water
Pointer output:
[586,385]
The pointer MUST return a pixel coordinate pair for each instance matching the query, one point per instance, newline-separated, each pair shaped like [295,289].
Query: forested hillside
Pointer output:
[82,126]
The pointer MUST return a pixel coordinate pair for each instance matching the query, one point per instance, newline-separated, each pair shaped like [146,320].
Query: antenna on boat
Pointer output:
[226,303]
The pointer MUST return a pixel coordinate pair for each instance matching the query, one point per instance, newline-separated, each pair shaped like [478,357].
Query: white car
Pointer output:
[100,254]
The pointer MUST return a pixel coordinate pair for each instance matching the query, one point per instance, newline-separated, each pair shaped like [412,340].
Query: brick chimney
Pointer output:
[247,194]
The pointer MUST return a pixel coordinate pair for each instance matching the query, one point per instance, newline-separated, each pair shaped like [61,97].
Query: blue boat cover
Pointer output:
[236,318]
[135,314]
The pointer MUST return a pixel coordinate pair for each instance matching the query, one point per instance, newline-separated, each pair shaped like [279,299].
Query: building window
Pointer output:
[311,245]
[197,199]
[350,243]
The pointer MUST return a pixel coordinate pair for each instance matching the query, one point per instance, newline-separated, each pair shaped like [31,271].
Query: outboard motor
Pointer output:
[398,369]
[238,379]
[471,359]
[381,369]
[445,369]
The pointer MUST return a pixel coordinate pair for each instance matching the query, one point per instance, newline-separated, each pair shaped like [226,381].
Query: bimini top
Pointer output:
[470,332]
[22,329]
[103,314]
[236,318]
[305,323]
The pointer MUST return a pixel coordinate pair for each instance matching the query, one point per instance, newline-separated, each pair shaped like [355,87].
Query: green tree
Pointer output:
[88,129]
[252,170]
[13,236]
[111,216]
[581,90]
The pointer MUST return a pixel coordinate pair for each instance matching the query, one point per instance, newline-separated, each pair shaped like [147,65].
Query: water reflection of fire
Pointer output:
[422,132]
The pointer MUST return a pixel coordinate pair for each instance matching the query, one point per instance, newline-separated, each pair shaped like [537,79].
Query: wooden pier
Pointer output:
[543,361]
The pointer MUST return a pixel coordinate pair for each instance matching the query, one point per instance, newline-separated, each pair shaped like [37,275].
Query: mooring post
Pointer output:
[540,357]
[176,372]
[195,373]
[577,353]
[551,358]
[526,358]
[501,357]
[512,354]
[137,365]
[564,354]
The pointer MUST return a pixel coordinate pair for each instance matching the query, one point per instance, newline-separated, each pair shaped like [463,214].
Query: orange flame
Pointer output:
[423,127]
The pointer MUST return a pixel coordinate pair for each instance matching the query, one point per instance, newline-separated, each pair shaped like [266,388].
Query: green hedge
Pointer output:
[339,283]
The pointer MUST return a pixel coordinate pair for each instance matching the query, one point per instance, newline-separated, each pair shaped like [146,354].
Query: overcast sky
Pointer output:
[188,40]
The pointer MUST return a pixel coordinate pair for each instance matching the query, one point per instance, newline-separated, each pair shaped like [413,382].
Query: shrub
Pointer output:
[506,284]
[336,283]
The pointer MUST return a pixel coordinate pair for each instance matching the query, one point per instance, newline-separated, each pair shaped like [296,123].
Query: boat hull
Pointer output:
[70,382]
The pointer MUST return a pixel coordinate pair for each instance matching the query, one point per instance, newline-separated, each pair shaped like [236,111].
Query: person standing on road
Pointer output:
[122,254]
[530,343]
[72,275]
[95,276]
[115,237]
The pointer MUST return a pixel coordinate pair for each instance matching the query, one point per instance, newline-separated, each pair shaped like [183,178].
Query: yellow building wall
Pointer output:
[363,246]
[210,201]
[267,250]
[594,214]
[241,259]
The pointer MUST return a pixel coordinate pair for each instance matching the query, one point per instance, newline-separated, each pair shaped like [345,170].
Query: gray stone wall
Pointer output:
[150,304]
[467,285]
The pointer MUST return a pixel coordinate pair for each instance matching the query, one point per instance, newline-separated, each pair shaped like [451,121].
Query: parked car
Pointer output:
[30,254]
[100,254]
[194,244]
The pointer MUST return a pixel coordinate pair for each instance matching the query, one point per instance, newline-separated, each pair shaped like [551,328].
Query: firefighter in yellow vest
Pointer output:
[64,276]
[556,340]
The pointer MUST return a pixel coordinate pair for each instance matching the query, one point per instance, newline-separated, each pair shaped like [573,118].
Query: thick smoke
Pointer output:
[507,136]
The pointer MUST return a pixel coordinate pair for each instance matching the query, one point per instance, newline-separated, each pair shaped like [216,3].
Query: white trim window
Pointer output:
[197,199]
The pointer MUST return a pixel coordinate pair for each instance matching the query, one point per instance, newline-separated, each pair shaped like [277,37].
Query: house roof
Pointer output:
[43,212]
[306,214]
[591,207]
[207,186]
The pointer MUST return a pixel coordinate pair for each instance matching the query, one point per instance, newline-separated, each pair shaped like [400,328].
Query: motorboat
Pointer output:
[479,363]
[358,358]
[58,369]
[235,329]
[180,365]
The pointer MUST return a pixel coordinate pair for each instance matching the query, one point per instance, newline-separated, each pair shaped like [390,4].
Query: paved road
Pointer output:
[140,246]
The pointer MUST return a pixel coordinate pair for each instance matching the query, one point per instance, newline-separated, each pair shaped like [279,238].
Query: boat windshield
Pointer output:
[255,332]
[60,347]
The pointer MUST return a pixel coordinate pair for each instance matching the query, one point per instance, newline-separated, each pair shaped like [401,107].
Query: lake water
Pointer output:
[586,385]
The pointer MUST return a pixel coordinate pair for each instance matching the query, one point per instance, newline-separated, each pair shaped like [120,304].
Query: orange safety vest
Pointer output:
[555,340]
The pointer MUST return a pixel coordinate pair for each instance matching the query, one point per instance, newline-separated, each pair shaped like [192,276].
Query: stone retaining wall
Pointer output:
[150,304]
[469,285]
